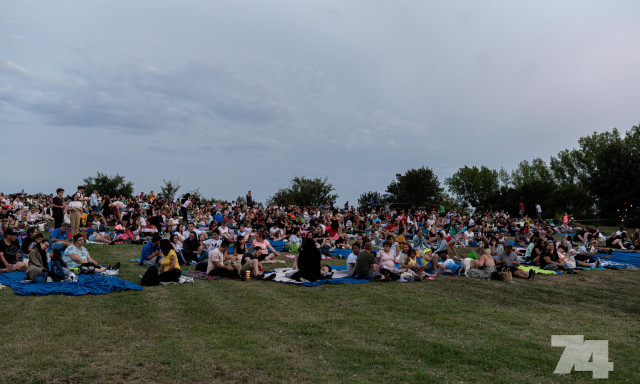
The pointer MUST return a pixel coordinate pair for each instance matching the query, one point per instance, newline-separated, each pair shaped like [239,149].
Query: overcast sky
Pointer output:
[235,95]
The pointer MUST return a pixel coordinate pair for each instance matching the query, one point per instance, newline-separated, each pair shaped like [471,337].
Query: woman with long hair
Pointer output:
[169,266]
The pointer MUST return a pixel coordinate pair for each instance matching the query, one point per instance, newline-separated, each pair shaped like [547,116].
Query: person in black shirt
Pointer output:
[249,200]
[549,258]
[9,257]
[57,205]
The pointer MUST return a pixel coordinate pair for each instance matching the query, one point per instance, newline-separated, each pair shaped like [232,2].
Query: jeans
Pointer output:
[204,255]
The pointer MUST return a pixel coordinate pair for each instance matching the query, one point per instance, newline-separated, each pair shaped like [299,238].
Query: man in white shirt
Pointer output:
[216,267]
[191,228]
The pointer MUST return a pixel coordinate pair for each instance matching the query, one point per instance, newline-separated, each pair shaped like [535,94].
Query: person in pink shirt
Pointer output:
[265,246]
[386,257]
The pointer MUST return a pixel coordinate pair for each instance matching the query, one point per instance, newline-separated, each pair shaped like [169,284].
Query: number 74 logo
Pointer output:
[581,355]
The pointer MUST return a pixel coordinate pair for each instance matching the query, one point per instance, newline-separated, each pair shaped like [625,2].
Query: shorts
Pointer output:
[430,267]
[92,237]
[448,238]
[262,257]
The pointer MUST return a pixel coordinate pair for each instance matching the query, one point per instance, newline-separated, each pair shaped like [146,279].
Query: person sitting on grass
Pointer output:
[549,259]
[209,245]
[574,258]
[365,263]
[169,266]
[265,246]
[150,254]
[38,263]
[308,262]
[250,263]
[509,259]
[76,254]
[484,266]
[386,258]
[28,242]
[216,267]
[351,260]
[615,241]
[96,236]
[9,253]
[192,250]
[58,238]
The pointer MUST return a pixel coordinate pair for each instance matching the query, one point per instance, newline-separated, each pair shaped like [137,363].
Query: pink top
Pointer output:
[262,245]
[387,258]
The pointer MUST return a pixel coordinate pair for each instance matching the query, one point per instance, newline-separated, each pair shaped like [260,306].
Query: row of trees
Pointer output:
[599,178]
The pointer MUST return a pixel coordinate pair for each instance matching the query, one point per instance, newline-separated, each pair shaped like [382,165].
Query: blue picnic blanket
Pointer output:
[340,252]
[621,259]
[87,284]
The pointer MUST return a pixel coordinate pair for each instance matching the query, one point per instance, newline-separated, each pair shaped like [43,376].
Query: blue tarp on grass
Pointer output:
[87,284]
[621,259]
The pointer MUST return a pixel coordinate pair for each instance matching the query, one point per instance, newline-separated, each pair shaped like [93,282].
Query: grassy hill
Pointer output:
[452,329]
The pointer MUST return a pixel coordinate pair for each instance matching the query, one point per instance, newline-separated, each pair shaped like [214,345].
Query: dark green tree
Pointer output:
[370,197]
[474,186]
[305,192]
[416,188]
[606,166]
[109,185]
[169,189]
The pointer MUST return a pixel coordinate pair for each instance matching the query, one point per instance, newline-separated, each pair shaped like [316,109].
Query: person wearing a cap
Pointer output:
[9,257]
[58,238]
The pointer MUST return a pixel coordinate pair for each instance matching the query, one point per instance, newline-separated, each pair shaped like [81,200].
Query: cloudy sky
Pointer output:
[227,96]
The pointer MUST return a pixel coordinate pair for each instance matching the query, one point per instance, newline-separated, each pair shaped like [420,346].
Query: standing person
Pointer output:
[57,206]
[80,194]
[249,200]
[117,207]
[521,209]
[93,201]
[186,203]
[539,211]
[75,214]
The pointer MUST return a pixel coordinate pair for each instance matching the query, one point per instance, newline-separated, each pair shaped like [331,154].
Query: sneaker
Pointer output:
[270,276]
[110,272]
[532,274]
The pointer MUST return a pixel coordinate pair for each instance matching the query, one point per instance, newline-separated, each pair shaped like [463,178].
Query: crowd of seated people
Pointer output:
[416,242]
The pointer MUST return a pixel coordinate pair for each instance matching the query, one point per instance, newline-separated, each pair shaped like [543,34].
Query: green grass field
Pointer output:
[450,330]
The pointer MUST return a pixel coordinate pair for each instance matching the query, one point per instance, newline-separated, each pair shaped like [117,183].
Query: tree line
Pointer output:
[598,179]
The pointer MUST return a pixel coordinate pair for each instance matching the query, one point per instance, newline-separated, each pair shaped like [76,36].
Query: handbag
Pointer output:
[506,274]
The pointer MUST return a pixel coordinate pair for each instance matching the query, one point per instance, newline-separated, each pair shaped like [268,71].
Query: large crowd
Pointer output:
[234,240]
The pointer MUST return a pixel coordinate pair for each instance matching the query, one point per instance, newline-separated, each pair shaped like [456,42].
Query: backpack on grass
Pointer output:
[150,277]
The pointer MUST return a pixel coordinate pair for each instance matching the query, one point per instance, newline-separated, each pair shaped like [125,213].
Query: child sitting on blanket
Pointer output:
[60,268]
